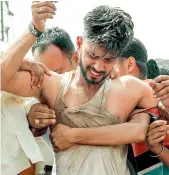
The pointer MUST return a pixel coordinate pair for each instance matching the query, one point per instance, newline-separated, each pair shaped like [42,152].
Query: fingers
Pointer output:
[40,82]
[161,86]
[156,124]
[44,122]
[42,109]
[46,71]
[43,10]
[33,77]
[37,4]
[161,78]
[163,94]
[41,116]
[45,16]
[163,112]
[157,135]
[46,9]
[39,125]
[156,141]
[151,83]
[158,129]
[37,75]
[37,71]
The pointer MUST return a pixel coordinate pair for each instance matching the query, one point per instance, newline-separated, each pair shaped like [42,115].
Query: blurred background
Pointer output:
[150,20]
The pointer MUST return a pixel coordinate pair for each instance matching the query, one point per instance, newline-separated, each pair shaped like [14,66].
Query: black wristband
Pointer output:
[34,31]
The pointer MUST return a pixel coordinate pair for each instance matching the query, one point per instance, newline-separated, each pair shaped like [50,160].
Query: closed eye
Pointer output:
[109,60]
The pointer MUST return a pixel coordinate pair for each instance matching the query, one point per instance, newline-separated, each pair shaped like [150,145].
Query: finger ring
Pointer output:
[154,136]
[40,10]
[36,121]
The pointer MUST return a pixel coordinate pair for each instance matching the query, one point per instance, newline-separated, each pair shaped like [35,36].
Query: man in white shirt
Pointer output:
[19,150]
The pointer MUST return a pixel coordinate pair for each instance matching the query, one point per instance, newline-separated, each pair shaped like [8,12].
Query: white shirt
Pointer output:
[18,145]
[43,142]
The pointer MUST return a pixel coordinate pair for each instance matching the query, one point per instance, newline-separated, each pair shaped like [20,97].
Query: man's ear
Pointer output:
[75,58]
[79,42]
[131,64]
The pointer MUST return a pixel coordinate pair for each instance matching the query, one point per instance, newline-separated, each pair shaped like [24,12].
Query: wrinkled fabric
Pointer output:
[85,159]
[18,146]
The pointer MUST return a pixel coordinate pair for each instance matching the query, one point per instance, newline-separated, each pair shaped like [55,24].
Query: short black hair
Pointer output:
[108,27]
[157,67]
[56,36]
[153,69]
[137,50]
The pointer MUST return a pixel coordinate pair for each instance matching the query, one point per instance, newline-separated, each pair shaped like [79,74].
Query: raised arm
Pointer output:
[13,57]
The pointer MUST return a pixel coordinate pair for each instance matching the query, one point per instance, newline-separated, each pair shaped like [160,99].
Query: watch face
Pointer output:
[34,32]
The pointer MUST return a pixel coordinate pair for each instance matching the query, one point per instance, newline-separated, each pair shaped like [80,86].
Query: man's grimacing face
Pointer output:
[95,64]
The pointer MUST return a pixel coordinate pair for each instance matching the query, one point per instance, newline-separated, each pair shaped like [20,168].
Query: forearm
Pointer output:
[124,133]
[164,157]
[13,57]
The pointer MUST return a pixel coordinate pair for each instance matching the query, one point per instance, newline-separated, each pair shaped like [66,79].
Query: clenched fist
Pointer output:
[41,11]
[41,116]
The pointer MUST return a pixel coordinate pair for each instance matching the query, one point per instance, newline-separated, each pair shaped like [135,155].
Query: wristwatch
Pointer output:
[34,31]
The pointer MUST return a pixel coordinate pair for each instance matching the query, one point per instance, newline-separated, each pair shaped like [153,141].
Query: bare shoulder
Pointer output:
[132,83]
[126,93]
[141,89]
[51,87]
[54,79]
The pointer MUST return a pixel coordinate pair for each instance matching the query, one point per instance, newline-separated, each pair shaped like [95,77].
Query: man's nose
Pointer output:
[99,65]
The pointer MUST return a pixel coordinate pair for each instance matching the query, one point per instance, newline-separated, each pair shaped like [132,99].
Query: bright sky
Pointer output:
[150,19]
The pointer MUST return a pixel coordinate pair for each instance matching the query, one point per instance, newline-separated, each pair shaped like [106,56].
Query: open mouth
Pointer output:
[94,73]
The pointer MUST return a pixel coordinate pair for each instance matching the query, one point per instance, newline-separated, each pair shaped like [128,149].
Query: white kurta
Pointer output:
[43,142]
[18,145]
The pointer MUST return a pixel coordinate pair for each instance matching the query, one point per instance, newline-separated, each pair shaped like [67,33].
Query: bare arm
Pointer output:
[157,132]
[20,85]
[135,130]
[13,57]
[164,157]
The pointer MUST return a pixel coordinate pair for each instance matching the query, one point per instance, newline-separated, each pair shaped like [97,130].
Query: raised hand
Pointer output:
[41,11]
[160,86]
[37,70]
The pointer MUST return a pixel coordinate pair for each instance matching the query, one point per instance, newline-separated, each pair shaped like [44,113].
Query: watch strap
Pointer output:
[34,31]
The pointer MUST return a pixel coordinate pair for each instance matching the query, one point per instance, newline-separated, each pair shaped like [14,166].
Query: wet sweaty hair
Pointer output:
[107,27]
[56,36]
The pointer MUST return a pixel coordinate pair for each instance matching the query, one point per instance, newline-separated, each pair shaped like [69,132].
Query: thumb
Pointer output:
[46,71]
[151,83]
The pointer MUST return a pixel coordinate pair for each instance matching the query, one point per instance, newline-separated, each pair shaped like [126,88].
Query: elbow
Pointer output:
[142,137]
[142,133]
